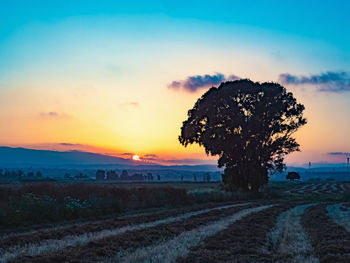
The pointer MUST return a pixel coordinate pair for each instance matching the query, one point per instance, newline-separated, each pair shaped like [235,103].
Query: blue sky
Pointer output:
[323,20]
[98,71]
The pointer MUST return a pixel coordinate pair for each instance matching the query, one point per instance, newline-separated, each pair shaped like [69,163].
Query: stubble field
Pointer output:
[284,229]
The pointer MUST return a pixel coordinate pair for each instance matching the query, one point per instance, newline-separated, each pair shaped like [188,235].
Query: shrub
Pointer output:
[51,202]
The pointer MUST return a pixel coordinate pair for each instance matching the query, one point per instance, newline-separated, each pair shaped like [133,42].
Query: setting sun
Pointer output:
[136,158]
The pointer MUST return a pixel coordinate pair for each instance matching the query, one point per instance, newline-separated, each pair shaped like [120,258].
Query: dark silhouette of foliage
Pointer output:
[293,176]
[100,175]
[112,175]
[249,126]
[124,175]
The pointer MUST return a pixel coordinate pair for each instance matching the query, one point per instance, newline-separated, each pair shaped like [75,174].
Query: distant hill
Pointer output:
[22,157]
[29,158]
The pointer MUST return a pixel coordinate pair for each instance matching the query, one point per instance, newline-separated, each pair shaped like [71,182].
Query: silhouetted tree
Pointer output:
[249,126]
[100,174]
[149,176]
[67,176]
[136,177]
[293,176]
[112,175]
[207,177]
[84,176]
[124,175]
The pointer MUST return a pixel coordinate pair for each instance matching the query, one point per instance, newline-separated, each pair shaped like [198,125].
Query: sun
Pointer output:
[136,157]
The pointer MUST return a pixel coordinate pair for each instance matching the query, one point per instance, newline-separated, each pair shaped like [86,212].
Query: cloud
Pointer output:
[53,115]
[190,161]
[132,104]
[127,154]
[150,155]
[340,153]
[193,83]
[70,144]
[326,82]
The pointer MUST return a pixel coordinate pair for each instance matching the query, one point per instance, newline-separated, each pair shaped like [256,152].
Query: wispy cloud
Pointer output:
[340,153]
[53,115]
[150,157]
[132,104]
[70,144]
[193,83]
[190,161]
[127,154]
[327,82]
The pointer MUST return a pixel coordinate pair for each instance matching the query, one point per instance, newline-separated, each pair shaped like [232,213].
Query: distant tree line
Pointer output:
[124,176]
[80,176]
[19,174]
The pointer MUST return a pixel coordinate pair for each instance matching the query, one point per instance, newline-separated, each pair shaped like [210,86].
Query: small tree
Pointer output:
[124,175]
[100,175]
[249,126]
[293,176]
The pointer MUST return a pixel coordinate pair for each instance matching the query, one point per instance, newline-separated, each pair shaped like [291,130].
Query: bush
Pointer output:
[30,208]
[51,202]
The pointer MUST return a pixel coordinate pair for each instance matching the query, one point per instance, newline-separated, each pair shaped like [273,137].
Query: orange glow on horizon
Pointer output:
[136,158]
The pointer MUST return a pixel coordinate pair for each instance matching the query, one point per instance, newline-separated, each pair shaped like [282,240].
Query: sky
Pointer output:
[118,77]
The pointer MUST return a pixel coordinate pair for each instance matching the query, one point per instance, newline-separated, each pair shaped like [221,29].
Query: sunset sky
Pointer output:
[115,76]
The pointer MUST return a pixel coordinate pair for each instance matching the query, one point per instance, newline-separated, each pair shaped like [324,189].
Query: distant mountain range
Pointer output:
[26,158]
[30,158]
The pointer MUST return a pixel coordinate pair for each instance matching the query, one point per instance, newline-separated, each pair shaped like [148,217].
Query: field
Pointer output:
[287,222]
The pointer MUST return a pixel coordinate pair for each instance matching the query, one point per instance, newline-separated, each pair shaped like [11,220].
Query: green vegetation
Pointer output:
[37,203]
[41,203]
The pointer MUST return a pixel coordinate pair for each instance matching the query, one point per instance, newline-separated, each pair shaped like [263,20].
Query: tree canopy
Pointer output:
[249,126]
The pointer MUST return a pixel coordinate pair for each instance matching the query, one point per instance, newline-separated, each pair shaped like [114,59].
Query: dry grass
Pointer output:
[288,240]
[75,240]
[340,217]
[179,246]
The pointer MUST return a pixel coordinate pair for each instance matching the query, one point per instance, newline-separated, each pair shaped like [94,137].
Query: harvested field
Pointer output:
[320,188]
[278,229]
[19,239]
[169,251]
[340,213]
[94,245]
[242,241]
[288,241]
[330,241]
